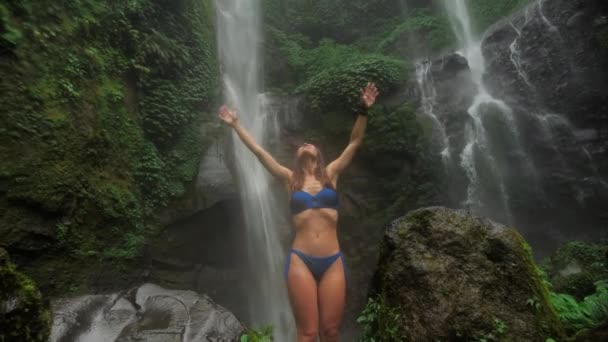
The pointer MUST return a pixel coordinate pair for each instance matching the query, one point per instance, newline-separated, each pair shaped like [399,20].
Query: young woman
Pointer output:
[315,268]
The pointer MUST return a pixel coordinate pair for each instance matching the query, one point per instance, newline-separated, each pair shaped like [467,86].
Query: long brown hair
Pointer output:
[297,179]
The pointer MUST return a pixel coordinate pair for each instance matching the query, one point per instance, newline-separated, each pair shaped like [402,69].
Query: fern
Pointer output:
[262,335]
[587,313]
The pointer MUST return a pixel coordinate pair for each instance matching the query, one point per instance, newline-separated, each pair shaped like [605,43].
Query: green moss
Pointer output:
[547,318]
[24,316]
[575,267]
[485,13]
[104,104]
[341,69]
[427,25]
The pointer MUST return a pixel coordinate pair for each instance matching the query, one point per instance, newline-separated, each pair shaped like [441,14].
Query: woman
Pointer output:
[314,269]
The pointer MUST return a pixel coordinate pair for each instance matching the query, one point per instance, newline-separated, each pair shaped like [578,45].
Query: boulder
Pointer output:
[145,313]
[445,275]
[575,267]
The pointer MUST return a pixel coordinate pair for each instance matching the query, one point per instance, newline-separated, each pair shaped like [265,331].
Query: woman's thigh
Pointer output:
[332,297]
[302,289]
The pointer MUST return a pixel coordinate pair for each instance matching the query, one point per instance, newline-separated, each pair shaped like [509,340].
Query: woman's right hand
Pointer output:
[228,116]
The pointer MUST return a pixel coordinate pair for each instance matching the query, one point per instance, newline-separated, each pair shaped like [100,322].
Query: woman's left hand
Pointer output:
[369,94]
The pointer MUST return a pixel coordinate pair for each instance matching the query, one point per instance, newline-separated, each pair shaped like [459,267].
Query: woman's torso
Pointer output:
[316,228]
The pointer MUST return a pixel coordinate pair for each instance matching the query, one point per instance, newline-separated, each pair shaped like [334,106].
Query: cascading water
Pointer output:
[239,37]
[550,123]
[428,98]
[476,150]
[526,152]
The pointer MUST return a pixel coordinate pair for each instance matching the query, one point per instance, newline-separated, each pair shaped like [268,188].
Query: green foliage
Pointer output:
[497,334]
[253,335]
[394,132]
[104,102]
[397,144]
[578,315]
[380,322]
[331,75]
[338,86]
[485,13]
[9,34]
[341,20]
[30,318]
[422,24]
[576,266]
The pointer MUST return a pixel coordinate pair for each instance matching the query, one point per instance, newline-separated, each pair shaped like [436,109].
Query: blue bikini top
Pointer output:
[302,200]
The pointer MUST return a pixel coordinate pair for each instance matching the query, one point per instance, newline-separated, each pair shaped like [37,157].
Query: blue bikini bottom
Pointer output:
[316,265]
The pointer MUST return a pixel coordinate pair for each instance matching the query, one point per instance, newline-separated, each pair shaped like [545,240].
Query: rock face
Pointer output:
[549,64]
[146,313]
[457,277]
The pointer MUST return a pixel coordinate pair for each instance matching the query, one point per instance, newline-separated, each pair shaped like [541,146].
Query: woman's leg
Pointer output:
[332,297]
[302,289]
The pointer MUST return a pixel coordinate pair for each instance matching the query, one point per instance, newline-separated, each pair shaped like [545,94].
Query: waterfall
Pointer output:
[477,151]
[428,98]
[239,37]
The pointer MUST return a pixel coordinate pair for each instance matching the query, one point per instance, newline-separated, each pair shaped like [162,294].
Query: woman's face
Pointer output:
[307,148]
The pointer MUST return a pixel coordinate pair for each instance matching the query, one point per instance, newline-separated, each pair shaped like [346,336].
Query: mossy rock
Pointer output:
[575,267]
[447,275]
[24,315]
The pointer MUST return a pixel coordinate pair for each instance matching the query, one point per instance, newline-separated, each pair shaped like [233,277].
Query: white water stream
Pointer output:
[476,137]
[239,38]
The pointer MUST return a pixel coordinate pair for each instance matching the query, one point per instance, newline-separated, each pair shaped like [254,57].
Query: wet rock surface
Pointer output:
[457,277]
[549,63]
[146,313]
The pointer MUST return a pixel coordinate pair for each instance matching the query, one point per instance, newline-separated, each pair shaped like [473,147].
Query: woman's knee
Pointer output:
[305,335]
[330,333]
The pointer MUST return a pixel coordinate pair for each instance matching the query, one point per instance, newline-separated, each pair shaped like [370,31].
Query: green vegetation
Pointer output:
[579,307]
[576,266]
[422,28]
[497,334]
[401,140]
[380,322]
[262,335]
[485,13]
[28,318]
[587,313]
[103,103]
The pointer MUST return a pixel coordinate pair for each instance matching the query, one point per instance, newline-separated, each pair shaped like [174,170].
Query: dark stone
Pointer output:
[145,313]
[452,276]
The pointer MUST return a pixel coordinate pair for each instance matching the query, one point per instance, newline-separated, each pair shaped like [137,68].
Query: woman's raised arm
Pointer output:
[368,97]
[231,119]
